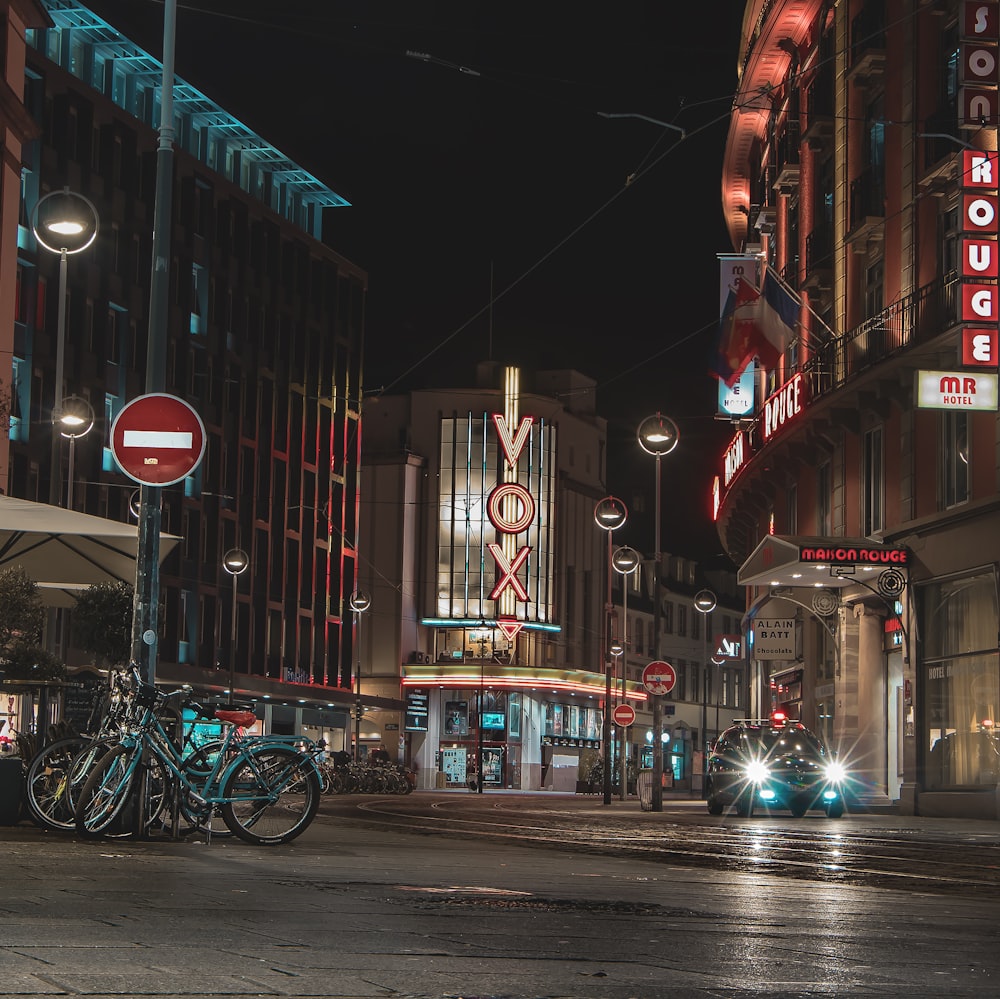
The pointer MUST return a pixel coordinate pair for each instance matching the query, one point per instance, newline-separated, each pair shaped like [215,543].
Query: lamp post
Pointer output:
[617,650]
[76,420]
[625,561]
[235,562]
[65,223]
[704,604]
[658,435]
[359,603]
[609,514]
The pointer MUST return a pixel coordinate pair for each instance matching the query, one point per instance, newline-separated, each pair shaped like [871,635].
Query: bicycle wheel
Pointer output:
[107,791]
[272,795]
[47,784]
[198,767]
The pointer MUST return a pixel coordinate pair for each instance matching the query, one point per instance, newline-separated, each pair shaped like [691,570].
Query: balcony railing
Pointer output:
[917,318]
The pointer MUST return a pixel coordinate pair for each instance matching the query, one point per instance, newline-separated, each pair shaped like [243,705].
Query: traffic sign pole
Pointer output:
[157,439]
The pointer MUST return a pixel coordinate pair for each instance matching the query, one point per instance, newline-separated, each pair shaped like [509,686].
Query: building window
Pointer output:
[792,509]
[954,458]
[668,617]
[682,613]
[872,483]
[824,500]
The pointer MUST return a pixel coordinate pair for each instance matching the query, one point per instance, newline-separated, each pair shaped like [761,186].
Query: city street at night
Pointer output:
[508,895]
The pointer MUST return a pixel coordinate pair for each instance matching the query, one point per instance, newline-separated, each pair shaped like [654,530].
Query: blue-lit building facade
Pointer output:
[265,339]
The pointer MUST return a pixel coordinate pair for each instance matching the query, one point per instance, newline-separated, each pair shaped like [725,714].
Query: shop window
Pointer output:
[960,682]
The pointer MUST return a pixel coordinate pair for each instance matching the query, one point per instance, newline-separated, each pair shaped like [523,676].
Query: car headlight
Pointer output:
[836,773]
[757,772]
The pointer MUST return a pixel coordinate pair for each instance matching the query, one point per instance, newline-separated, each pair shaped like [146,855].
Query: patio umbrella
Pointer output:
[64,551]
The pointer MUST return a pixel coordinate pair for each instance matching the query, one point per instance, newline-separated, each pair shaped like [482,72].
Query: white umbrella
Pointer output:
[64,551]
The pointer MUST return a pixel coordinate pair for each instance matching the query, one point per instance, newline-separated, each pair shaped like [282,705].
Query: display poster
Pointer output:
[456,717]
[492,767]
[453,765]
[574,721]
[416,710]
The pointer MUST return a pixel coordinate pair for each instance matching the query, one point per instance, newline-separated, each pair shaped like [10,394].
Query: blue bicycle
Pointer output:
[266,788]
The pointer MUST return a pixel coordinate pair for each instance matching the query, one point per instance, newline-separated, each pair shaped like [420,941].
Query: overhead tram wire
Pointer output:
[549,253]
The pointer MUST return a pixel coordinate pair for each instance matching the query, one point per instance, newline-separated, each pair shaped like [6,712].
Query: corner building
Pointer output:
[265,327]
[860,495]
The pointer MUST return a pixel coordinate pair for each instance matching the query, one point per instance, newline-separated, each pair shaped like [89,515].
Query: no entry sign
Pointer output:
[623,715]
[659,677]
[158,439]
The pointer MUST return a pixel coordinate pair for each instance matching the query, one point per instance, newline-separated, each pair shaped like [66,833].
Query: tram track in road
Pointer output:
[907,860]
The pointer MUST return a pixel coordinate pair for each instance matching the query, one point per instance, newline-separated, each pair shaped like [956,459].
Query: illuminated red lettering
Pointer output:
[500,518]
[512,445]
[509,569]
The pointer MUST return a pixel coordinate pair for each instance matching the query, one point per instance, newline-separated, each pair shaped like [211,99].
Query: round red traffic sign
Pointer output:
[624,715]
[158,439]
[659,677]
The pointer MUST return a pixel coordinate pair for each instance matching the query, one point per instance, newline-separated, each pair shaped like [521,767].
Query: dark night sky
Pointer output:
[452,174]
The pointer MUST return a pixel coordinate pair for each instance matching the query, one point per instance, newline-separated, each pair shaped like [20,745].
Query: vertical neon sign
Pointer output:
[511,509]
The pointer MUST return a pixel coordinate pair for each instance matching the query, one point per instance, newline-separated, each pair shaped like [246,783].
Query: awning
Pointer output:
[64,551]
[819,562]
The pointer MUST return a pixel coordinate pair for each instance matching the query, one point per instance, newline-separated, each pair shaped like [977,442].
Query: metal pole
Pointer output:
[608,610]
[479,758]
[622,738]
[656,803]
[147,571]
[704,704]
[69,483]
[55,484]
[357,693]
[232,648]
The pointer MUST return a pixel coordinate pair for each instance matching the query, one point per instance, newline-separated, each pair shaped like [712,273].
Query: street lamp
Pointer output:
[359,603]
[235,562]
[625,561]
[704,604]
[658,435]
[75,420]
[609,514]
[63,222]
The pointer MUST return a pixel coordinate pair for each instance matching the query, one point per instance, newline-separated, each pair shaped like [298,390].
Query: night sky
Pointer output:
[483,161]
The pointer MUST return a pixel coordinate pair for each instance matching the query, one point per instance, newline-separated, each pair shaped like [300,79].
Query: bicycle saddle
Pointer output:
[241,719]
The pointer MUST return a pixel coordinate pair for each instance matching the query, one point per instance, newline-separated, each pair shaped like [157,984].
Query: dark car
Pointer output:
[776,763]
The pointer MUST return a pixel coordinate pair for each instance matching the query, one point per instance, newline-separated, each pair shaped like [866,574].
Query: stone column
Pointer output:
[869,759]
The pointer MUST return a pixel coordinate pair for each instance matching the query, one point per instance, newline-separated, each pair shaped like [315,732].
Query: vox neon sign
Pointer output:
[511,510]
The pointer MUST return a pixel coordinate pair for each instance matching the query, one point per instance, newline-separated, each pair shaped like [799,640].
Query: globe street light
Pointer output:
[235,562]
[609,514]
[704,604]
[76,420]
[63,222]
[359,603]
[625,561]
[658,435]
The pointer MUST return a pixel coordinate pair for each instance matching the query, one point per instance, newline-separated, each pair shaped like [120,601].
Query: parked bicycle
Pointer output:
[264,787]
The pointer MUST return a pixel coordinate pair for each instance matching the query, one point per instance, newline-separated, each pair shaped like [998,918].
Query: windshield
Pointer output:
[779,741]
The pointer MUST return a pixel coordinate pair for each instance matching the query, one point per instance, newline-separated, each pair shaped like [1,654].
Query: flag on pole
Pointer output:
[755,323]
[777,316]
[735,345]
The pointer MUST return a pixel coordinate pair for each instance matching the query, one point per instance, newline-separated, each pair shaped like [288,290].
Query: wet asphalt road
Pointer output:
[356,908]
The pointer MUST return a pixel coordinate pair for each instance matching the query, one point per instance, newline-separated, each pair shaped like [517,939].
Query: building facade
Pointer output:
[265,331]
[494,609]
[860,493]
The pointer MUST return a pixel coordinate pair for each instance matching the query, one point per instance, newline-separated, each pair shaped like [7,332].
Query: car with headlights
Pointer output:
[775,763]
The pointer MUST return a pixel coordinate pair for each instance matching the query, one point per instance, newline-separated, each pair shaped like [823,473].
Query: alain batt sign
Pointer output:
[774,638]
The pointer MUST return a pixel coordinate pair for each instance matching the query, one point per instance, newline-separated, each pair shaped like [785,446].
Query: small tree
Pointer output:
[102,622]
[22,621]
